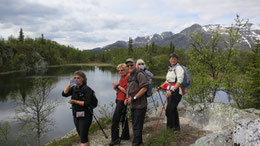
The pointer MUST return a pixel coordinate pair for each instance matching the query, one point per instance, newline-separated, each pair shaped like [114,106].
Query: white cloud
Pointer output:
[87,24]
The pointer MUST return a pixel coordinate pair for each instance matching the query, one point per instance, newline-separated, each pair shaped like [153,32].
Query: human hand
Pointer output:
[71,101]
[169,93]
[158,88]
[114,85]
[129,100]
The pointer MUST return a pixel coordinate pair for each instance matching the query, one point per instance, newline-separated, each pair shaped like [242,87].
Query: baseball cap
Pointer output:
[129,60]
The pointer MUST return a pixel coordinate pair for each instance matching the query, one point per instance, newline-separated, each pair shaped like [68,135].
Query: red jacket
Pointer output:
[122,83]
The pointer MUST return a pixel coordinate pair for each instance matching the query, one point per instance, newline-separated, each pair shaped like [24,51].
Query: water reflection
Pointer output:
[20,84]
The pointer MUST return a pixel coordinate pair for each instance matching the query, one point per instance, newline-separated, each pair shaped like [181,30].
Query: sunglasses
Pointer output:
[141,64]
[121,70]
[130,65]
[76,78]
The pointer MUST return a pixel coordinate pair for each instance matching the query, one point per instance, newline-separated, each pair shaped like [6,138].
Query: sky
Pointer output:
[88,24]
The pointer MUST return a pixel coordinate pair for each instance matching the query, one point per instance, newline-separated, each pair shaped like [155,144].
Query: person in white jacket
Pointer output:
[174,79]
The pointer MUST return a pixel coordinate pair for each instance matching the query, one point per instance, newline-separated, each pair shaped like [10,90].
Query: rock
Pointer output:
[5,53]
[221,138]
[253,110]
[216,116]
[229,125]
[247,133]
[38,64]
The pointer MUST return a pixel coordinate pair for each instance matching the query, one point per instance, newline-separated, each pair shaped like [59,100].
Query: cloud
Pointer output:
[87,24]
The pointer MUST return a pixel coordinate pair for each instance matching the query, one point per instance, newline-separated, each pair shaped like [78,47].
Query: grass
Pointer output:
[162,138]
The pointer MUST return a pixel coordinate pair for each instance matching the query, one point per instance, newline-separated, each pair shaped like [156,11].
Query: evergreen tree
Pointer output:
[253,78]
[153,48]
[172,47]
[130,47]
[21,35]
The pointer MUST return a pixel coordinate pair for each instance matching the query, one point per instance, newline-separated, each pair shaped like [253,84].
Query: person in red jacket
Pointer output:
[120,110]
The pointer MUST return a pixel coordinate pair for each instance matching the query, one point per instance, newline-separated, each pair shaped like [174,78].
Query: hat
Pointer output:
[140,61]
[129,60]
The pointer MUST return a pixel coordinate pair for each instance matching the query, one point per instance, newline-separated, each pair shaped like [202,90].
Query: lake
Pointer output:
[19,84]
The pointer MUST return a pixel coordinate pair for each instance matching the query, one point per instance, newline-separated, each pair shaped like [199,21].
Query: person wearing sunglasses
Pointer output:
[140,64]
[120,110]
[83,100]
[137,100]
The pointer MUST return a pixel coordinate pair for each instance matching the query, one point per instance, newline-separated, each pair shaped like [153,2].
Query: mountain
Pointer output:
[250,34]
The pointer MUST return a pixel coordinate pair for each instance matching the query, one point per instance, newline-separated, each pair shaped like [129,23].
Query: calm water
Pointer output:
[19,84]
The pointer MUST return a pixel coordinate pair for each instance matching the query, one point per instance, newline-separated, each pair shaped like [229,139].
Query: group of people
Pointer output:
[131,90]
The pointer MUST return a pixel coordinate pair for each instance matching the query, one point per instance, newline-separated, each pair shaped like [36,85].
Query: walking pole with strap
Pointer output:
[125,117]
[98,122]
[161,100]
[154,102]
[161,110]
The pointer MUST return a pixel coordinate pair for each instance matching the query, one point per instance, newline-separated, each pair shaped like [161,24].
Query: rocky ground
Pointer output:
[188,135]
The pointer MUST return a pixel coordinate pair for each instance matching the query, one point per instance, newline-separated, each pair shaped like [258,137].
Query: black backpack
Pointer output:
[93,99]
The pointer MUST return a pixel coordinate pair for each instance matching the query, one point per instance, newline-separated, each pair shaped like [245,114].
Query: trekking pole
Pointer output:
[125,118]
[161,99]
[161,110]
[154,103]
[98,123]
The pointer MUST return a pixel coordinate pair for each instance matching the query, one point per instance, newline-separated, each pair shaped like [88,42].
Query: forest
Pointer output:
[213,67]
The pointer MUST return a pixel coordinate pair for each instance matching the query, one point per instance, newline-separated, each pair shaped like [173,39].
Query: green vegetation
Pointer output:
[18,54]
[162,138]
[34,113]
[215,62]
[4,131]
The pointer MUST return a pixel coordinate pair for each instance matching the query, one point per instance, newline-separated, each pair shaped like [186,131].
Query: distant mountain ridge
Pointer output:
[250,34]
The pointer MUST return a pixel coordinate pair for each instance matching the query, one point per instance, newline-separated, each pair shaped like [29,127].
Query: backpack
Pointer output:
[94,101]
[187,78]
[149,91]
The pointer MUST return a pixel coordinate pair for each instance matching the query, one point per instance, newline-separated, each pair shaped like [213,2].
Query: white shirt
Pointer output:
[171,76]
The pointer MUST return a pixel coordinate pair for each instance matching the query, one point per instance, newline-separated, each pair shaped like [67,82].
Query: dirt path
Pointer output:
[188,135]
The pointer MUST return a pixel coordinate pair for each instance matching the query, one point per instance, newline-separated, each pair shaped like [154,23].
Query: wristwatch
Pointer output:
[133,98]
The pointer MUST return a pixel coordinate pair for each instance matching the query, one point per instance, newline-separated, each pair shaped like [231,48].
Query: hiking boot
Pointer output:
[116,142]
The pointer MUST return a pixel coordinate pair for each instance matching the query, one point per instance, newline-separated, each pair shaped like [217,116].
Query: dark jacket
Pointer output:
[82,93]
[133,87]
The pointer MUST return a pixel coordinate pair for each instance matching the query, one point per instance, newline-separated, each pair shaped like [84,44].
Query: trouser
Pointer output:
[138,123]
[82,126]
[172,115]
[119,115]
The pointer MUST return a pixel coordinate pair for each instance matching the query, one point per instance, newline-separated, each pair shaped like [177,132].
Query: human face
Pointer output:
[173,61]
[139,65]
[78,79]
[130,66]
[121,72]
